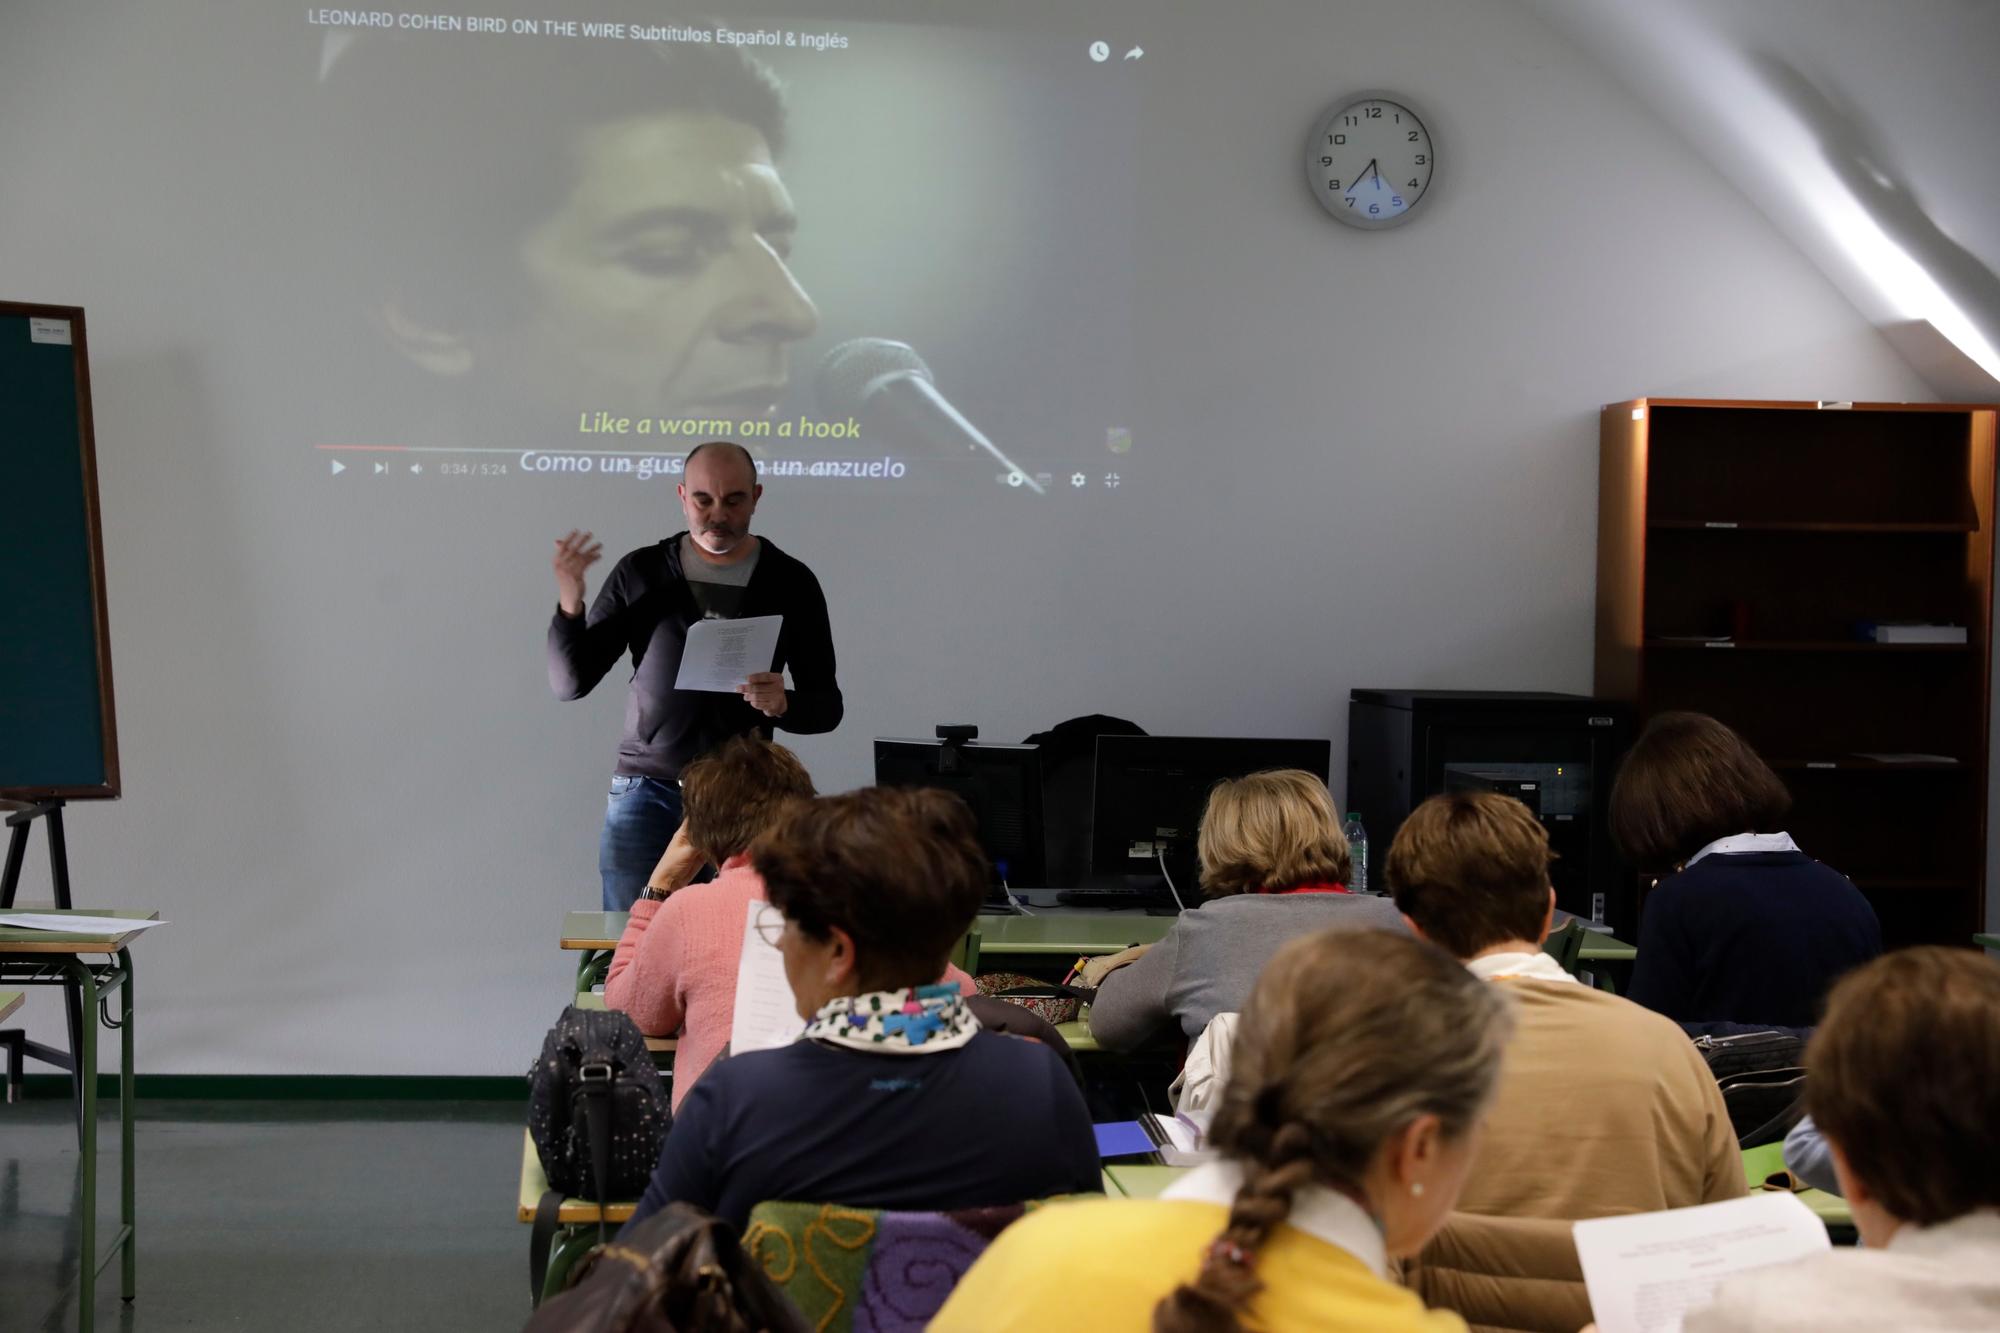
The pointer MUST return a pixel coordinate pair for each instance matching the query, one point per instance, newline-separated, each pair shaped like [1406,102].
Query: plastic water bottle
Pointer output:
[1357,851]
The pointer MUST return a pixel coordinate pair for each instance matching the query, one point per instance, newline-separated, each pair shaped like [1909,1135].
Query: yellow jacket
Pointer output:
[1102,1265]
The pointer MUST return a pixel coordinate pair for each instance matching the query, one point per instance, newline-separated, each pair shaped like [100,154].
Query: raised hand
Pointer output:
[574,554]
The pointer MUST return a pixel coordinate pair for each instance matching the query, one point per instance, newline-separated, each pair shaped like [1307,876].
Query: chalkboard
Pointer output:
[57,732]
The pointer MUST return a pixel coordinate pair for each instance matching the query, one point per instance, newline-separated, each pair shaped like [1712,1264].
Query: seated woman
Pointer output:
[1363,1064]
[1742,926]
[675,967]
[894,1097]
[1904,1082]
[1274,866]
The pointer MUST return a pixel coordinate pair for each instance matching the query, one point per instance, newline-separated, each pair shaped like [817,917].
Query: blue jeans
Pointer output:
[640,816]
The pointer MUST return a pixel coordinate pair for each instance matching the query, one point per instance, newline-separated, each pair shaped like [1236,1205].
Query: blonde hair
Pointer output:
[1349,1036]
[1270,831]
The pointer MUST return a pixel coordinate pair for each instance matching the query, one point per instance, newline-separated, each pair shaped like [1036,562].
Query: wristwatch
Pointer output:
[656,893]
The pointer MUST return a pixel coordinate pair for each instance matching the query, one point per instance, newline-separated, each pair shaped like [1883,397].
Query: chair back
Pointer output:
[1566,945]
[870,1269]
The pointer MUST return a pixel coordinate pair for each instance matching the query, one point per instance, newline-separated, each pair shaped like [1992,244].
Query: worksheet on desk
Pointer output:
[765,1014]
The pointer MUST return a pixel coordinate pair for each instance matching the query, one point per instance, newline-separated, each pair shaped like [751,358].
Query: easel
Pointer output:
[14,1040]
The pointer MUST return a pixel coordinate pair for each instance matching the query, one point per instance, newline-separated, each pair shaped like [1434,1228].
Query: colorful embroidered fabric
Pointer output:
[912,1021]
[858,1270]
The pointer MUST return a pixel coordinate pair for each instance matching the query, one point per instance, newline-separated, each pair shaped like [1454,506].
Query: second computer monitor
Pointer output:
[1151,791]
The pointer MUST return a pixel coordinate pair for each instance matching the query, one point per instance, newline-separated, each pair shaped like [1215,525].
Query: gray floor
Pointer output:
[276,1215]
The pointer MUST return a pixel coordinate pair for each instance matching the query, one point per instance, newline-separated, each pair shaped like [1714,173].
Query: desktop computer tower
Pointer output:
[1558,753]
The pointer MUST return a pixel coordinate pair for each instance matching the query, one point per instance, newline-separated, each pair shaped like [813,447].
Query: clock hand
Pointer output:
[1370,169]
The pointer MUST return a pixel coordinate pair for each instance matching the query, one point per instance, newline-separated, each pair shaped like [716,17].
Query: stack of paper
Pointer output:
[1647,1270]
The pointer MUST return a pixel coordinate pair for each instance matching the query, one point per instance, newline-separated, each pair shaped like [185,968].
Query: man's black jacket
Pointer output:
[645,608]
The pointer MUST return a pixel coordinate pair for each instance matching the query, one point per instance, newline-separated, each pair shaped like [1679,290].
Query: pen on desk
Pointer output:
[1076,970]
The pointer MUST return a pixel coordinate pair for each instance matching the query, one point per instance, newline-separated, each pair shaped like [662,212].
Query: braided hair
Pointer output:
[1347,1038]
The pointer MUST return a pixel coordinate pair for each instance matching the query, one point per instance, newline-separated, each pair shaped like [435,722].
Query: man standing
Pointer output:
[716,568]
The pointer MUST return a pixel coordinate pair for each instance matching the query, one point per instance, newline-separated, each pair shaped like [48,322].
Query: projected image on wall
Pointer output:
[876,254]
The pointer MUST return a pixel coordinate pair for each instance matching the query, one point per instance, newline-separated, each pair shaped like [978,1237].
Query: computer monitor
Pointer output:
[1002,784]
[1150,792]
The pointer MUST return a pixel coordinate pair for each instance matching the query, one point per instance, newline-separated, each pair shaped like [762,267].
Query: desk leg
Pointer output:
[128,1209]
[86,1076]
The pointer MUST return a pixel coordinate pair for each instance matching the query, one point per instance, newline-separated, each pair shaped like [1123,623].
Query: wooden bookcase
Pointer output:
[1739,544]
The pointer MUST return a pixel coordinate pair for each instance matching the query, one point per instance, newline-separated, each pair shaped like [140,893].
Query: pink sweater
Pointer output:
[675,968]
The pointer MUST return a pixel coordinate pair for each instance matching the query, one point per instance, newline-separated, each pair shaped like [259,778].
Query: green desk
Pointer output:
[1142,1180]
[53,958]
[1762,1163]
[10,1000]
[1987,942]
[1071,933]
[592,936]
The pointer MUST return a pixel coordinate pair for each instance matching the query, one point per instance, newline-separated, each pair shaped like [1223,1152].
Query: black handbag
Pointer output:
[1761,1072]
[598,1112]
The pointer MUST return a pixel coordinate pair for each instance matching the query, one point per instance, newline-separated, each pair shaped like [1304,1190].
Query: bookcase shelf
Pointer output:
[1777,527]
[1732,525]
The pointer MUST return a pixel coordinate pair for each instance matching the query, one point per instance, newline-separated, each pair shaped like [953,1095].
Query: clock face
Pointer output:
[1370,161]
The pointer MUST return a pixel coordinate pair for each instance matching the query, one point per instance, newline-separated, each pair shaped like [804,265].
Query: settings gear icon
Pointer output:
[1078,480]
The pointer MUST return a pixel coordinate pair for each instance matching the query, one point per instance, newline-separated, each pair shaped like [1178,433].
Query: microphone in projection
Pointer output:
[888,386]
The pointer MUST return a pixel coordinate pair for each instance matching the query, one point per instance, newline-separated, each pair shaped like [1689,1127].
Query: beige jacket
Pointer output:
[1603,1109]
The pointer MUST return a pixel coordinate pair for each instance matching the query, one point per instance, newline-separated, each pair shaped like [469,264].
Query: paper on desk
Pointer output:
[765,1015]
[75,925]
[1646,1270]
[720,655]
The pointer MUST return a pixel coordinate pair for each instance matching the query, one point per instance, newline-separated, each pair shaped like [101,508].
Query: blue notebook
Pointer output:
[1123,1138]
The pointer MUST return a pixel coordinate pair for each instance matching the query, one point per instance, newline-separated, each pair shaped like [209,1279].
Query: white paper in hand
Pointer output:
[765,1014]
[1647,1270]
[721,655]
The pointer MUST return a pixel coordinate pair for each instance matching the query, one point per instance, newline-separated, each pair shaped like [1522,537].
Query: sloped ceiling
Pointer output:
[1867,130]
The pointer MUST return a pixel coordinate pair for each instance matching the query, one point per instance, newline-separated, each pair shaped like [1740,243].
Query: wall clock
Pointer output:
[1371,162]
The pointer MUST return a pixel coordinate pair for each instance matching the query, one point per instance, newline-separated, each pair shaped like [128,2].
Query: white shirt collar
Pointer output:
[1737,843]
[1536,966]
[1322,1213]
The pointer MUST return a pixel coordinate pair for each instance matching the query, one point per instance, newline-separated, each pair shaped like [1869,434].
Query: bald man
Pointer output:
[715,568]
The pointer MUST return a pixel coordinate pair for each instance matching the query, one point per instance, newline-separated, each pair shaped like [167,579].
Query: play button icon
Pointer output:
[338,467]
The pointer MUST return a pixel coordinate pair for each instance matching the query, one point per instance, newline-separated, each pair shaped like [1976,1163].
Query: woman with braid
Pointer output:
[1363,1064]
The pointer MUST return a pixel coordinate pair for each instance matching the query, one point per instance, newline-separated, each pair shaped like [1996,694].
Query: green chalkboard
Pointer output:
[57,732]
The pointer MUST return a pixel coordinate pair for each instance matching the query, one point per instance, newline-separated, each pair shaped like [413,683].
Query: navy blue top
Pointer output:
[1752,937]
[999,1120]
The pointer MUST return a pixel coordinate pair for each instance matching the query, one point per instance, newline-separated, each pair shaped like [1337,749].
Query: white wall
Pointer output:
[1371,461]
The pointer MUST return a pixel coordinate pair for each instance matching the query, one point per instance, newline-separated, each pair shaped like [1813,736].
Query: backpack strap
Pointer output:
[593,1102]
[539,1239]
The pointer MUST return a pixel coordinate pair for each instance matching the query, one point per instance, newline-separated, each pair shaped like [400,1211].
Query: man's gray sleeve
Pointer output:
[1807,1154]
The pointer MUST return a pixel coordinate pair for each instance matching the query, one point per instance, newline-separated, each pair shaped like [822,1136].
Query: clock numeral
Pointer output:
[1350,120]
[1395,201]
[1399,118]
[1350,201]
[1421,159]
[1338,138]
[1326,161]
[1373,113]
[1413,182]
[1333,185]
[1374,208]
[1413,136]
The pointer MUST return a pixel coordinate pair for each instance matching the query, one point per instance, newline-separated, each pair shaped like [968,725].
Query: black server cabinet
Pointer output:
[1557,752]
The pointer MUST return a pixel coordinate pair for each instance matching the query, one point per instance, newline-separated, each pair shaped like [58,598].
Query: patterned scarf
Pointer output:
[911,1021]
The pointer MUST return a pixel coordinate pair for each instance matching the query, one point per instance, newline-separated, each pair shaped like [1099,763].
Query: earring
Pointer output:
[1416,1189]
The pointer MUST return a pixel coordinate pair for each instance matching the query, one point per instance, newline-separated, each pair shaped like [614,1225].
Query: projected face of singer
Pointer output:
[659,286]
